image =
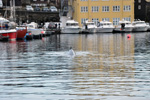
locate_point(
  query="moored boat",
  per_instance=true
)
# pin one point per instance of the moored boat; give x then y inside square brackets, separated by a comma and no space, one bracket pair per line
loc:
[124,26]
[71,27]
[105,27]
[52,27]
[7,29]
[21,32]
[139,26]
[89,27]
[33,32]
[148,27]
[33,29]
[11,33]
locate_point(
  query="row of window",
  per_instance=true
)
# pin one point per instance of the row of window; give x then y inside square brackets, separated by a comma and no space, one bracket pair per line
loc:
[105,8]
[36,0]
[95,0]
[96,20]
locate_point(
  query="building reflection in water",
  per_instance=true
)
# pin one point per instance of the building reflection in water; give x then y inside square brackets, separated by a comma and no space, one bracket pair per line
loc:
[108,66]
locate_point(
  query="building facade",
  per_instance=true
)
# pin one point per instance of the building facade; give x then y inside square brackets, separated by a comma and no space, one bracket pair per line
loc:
[140,9]
[148,12]
[98,10]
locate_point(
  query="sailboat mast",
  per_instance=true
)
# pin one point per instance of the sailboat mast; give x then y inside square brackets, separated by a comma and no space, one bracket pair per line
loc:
[14,11]
[11,11]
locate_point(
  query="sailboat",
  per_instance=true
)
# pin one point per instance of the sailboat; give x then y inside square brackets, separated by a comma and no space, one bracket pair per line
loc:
[6,31]
[8,28]
[21,29]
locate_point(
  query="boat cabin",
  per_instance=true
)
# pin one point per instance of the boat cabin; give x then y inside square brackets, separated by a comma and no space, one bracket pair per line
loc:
[72,23]
[104,23]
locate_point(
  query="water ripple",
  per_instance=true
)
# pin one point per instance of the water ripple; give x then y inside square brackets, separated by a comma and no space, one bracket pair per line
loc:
[106,67]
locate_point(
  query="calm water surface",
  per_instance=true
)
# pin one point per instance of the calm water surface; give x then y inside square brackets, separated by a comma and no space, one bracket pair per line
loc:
[106,67]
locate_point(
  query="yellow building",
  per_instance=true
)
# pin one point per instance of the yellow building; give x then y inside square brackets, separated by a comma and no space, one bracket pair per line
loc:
[98,10]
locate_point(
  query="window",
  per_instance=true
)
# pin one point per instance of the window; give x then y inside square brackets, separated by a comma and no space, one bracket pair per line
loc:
[71,24]
[127,8]
[139,1]
[84,9]
[95,9]
[116,8]
[127,18]
[116,21]
[139,7]
[95,20]
[105,8]
[105,19]
[83,20]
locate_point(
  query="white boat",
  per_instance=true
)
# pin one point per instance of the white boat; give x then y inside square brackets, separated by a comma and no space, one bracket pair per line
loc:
[33,29]
[72,26]
[124,26]
[89,27]
[148,26]
[139,26]
[50,27]
[105,26]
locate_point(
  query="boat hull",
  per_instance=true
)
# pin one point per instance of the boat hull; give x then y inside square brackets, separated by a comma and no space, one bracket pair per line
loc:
[12,34]
[35,31]
[70,30]
[104,30]
[21,32]
[139,29]
[91,30]
[126,29]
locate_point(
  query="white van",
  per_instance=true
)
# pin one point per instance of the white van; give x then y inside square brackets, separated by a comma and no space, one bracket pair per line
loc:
[29,8]
[1,4]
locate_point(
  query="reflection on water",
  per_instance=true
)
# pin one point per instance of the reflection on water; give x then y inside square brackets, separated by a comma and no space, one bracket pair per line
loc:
[106,67]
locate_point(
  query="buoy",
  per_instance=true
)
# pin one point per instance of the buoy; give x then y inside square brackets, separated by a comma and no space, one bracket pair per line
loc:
[129,36]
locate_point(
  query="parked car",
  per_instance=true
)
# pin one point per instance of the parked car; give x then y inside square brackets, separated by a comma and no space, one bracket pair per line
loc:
[53,8]
[37,9]
[29,8]
[45,9]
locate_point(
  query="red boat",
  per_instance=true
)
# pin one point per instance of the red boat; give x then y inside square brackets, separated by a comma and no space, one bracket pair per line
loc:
[11,33]
[21,32]
[6,31]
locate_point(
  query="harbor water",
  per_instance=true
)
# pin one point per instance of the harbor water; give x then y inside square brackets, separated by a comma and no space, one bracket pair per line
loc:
[106,67]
